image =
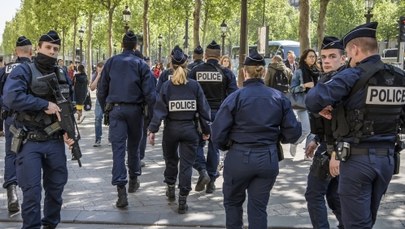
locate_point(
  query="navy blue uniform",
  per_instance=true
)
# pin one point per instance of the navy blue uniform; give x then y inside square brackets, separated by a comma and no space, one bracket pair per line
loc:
[250,122]
[165,76]
[10,176]
[48,155]
[371,160]
[177,105]
[216,86]
[194,64]
[126,83]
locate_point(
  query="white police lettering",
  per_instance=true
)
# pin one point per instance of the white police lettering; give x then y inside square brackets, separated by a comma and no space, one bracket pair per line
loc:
[209,77]
[10,67]
[182,105]
[378,95]
[169,77]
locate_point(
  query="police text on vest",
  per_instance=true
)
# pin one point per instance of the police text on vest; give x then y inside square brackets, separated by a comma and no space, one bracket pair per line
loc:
[209,77]
[182,105]
[385,95]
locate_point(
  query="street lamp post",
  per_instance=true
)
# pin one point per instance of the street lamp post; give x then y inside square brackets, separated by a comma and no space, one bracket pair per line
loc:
[368,5]
[224,28]
[81,33]
[160,38]
[115,49]
[126,17]
[140,42]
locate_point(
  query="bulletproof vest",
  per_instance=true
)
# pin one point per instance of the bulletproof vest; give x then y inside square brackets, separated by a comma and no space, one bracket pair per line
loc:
[7,69]
[182,102]
[384,99]
[213,82]
[41,88]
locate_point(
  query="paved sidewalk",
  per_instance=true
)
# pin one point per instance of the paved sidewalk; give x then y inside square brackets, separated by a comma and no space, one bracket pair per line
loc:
[89,197]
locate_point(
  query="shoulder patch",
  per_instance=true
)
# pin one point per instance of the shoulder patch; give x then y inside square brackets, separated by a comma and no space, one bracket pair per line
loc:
[10,67]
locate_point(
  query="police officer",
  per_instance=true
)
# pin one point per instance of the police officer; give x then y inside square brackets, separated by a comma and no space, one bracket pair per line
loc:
[198,55]
[125,85]
[367,122]
[179,101]
[250,123]
[23,52]
[35,107]
[321,182]
[217,83]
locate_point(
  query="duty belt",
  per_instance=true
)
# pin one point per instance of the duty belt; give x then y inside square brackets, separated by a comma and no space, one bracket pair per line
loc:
[366,151]
[42,137]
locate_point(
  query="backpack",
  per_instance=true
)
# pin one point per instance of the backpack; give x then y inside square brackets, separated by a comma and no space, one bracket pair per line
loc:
[280,81]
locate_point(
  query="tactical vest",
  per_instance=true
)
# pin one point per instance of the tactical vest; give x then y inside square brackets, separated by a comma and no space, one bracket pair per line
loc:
[213,82]
[384,99]
[35,119]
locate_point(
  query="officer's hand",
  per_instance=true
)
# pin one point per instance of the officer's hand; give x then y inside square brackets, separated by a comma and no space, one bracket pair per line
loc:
[52,108]
[151,138]
[68,141]
[205,137]
[334,166]
[326,112]
[309,151]
[309,85]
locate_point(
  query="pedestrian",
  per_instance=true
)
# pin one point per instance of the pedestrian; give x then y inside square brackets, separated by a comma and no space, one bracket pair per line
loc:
[250,123]
[40,154]
[304,78]
[23,51]
[178,103]
[226,62]
[125,85]
[80,83]
[98,111]
[164,76]
[217,83]
[290,61]
[278,76]
[366,130]
[198,55]
[323,179]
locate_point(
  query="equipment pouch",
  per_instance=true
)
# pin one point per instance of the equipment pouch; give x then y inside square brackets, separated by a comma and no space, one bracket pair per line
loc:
[397,162]
[320,167]
[107,109]
[18,138]
[280,152]
[343,151]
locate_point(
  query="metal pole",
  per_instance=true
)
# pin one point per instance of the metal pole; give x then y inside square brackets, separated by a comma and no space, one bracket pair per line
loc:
[126,27]
[81,51]
[160,53]
[368,16]
[223,43]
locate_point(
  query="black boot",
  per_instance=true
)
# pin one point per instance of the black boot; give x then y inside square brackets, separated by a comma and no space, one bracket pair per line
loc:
[12,198]
[171,192]
[122,201]
[48,227]
[183,207]
[210,187]
[203,180]
[133,185]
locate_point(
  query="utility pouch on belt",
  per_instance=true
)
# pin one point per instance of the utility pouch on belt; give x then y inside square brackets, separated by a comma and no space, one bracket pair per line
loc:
[280,152]
[397,162]
[18,138]
[107,109]
[320,166]
[197,122]
[343,151]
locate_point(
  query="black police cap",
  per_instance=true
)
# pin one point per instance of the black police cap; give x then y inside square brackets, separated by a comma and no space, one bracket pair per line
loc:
[254,59]
[365,30]
[129,37]
[51,37]
[213,45]
[330,42]
[138,54]
[177,56]
[198,50]
[22,41]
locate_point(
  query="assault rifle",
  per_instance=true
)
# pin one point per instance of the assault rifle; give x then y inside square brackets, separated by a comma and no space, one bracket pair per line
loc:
[67,122]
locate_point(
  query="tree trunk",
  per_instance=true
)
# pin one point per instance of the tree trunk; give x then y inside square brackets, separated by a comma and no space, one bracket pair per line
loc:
[196,27]
[205,23]
[145,50]
[304,25]
[243,41]
[89,51]
[320,30]
[74,40]
[110,36]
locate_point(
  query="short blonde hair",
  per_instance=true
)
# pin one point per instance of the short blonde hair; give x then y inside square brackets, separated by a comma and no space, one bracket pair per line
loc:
[255,71]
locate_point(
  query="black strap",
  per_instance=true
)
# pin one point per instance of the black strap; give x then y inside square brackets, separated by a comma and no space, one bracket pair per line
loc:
[369,70]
